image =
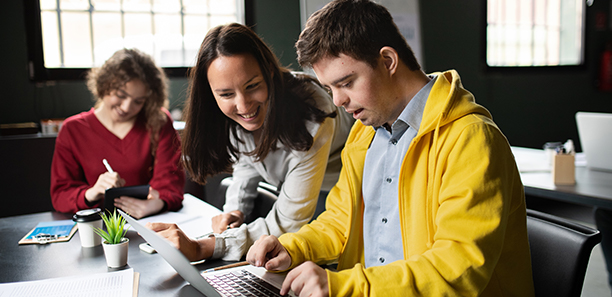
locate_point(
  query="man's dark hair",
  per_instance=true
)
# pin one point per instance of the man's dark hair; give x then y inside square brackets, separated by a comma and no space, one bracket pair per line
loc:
[356,28]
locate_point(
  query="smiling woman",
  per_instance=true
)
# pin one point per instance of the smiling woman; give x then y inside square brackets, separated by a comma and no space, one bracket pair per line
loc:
[118,111]
[240,90]
[247,115]
[130,127]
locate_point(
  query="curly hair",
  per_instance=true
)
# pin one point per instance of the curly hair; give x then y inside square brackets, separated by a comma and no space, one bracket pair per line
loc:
[123,66]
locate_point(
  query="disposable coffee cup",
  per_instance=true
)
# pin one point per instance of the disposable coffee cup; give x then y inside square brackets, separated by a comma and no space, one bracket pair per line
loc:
[550,148]
[87,220]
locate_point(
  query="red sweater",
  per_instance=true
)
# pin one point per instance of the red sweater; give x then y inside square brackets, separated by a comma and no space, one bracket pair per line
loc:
[83,142]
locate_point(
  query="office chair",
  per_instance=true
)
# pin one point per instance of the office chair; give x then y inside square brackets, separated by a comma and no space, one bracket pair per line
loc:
[560,252]
[266,196]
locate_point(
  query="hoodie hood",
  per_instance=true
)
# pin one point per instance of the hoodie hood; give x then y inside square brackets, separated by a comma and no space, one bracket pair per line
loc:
[457,103]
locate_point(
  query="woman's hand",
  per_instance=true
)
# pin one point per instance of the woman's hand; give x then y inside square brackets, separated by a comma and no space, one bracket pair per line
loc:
[105,181]
[140,208]
[224,221]
[194,250]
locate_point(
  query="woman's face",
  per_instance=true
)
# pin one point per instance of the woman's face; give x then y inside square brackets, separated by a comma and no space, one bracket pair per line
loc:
[125,103]
[239,89]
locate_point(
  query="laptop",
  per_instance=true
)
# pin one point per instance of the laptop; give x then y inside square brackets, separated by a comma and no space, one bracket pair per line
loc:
[246,280]
[595,132]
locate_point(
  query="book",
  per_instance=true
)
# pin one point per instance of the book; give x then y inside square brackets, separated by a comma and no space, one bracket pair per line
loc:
[48,232]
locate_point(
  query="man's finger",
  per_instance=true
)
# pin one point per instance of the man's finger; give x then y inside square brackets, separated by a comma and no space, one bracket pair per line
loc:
[289,282]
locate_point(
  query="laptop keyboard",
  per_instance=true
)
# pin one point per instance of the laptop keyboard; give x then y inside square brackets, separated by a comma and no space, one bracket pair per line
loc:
[242,283]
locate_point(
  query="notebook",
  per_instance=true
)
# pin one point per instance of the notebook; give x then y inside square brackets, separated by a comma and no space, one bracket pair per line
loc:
[253,278]
[595,132]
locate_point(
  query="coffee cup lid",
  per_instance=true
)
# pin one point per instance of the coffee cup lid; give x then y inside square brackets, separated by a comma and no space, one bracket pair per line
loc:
[87,215]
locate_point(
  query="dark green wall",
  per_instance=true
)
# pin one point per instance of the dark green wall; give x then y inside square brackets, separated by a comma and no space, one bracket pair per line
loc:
[277,22]
[531,108]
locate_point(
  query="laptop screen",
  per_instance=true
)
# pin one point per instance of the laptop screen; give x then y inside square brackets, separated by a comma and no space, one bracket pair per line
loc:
[595,132]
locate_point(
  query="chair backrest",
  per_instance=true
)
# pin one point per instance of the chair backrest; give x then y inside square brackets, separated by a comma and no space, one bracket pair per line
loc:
[560,252]
[266,197]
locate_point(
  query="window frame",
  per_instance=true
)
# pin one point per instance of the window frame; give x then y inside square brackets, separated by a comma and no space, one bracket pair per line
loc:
[546,69]
[37,72]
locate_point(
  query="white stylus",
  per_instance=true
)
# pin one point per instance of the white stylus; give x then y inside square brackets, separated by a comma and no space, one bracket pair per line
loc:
[107,166]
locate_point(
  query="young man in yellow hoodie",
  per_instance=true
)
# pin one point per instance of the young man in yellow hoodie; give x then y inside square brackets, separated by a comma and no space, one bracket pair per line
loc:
[429,200]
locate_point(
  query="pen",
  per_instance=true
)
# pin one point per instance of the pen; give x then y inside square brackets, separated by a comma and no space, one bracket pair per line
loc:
[227,266]
[107,166]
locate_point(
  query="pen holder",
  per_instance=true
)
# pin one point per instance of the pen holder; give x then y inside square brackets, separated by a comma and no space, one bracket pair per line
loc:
[563,169]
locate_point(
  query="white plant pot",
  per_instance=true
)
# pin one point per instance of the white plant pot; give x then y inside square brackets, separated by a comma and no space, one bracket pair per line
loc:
[116,254]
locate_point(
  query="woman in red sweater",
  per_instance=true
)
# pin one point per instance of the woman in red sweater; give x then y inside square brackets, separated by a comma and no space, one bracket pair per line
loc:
[130,127]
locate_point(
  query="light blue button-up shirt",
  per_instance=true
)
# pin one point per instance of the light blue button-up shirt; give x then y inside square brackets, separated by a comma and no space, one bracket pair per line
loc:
[381,224]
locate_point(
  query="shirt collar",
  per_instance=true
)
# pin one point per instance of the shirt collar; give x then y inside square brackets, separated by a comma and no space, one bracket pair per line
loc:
[412,114]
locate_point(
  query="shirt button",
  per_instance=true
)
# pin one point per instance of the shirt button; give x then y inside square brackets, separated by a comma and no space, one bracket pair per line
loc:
[393,141]
[381,259]
[389,180]
[384,220]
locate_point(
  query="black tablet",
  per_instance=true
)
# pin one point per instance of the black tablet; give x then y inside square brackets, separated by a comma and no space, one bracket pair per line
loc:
[140,192]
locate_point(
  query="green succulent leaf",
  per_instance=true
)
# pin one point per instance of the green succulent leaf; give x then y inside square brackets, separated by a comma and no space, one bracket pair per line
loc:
[115,228]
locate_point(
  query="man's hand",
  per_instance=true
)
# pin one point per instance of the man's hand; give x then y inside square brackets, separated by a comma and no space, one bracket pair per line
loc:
[268,252]
[308,279]
[140,208]
[222,222]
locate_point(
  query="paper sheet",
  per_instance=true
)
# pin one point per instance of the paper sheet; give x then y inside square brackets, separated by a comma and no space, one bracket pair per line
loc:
[119,284]
[535,160]
[194,219]
[192,225]
[531,160]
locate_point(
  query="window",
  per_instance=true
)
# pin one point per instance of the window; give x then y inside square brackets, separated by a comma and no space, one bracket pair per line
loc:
[67,37]
[525,33]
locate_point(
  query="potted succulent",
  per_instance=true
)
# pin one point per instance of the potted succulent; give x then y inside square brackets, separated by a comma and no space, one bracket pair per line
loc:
[115,243]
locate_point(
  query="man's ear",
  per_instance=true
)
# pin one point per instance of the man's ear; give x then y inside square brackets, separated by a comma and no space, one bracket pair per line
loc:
[390,58]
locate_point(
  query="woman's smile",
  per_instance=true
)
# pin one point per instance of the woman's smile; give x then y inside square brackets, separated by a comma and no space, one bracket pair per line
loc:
[240,90]
[250,115]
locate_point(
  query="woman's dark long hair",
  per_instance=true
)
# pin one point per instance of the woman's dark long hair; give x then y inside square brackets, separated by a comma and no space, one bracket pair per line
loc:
[207,148]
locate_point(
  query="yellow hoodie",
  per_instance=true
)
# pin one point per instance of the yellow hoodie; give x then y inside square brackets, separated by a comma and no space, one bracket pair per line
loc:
[462,210]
